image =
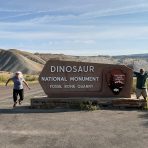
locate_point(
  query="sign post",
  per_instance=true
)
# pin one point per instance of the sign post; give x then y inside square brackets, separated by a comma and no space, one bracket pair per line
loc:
[80,79]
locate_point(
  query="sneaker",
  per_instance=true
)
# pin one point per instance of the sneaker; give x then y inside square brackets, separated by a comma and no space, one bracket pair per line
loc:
[14,105]
[20,102]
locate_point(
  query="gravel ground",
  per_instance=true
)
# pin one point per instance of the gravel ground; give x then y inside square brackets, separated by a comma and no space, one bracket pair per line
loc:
[73,129]
[30,128]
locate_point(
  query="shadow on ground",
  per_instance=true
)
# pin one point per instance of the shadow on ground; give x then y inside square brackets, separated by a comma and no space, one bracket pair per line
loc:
[145,117]
[27,110]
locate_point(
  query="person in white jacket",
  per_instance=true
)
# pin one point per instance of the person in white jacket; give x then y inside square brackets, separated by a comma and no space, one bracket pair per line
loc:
[18,89]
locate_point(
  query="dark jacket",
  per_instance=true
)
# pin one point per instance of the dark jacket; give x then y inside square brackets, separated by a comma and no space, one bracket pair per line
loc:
[141,80]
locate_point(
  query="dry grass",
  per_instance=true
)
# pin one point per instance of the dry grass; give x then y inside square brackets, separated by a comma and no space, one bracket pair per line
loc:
[4,76]
[31,78]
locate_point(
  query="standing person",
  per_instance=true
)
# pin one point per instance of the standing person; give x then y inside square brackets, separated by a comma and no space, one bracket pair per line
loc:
[18,81]
[141,86]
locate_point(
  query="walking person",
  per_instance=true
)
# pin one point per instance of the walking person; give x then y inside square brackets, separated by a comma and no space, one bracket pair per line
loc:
[18,89]
[141,86]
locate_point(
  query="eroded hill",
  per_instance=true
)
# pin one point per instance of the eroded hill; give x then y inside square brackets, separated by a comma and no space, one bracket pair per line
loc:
[11,60]
[32,63]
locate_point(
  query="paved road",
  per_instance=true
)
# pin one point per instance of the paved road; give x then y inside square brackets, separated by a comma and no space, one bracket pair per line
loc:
[6,92]
[73,129]
[30,128]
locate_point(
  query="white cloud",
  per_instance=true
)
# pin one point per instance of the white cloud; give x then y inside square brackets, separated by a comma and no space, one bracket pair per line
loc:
[15,16]
[86,11]
[117,11]
[85,36]
[73,24]
[57,18]
[80,41]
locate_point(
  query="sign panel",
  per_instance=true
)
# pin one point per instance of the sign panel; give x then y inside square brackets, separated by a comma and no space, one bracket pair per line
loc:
[80,79]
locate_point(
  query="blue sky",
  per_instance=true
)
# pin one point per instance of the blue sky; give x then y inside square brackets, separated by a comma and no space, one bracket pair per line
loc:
[77,27]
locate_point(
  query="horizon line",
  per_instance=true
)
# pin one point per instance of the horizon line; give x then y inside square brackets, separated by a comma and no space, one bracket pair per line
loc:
[34,52]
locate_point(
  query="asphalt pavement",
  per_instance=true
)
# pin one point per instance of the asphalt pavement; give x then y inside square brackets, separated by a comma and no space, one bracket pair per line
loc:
[60,128]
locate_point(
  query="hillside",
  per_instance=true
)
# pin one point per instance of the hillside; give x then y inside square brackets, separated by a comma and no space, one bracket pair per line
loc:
[32,63]
[140,56]
[13,60]
[136,61]
[92,59]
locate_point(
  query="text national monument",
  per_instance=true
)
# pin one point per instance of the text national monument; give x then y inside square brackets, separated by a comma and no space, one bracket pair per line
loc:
[81,79]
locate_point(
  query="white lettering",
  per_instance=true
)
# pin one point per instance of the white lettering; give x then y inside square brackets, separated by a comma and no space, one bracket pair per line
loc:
[51,79]
[61,69]
[84,78]
[68,69]
[80,69]
[52,68]
[55,86]
[85,86]
[72,69]
[69,86]
[91,69]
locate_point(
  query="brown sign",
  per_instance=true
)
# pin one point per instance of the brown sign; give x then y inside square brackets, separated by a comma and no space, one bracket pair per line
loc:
[116,79]
[80,79]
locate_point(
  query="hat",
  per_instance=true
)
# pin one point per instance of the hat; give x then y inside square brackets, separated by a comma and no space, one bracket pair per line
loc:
[18,72]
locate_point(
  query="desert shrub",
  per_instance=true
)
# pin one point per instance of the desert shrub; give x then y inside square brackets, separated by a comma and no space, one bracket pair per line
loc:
[146,108]
[89,105]
[4,77]
[31,78]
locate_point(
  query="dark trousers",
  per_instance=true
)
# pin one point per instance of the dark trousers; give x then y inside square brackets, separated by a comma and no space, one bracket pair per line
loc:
[16,93]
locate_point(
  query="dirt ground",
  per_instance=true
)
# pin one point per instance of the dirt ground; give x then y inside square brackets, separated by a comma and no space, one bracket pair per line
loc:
[30,128]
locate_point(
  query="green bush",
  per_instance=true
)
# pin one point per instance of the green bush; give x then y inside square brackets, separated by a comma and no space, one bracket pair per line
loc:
[89,105]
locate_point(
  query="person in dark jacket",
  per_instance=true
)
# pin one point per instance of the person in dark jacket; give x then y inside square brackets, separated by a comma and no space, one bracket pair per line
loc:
[18,89]
[141,86]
